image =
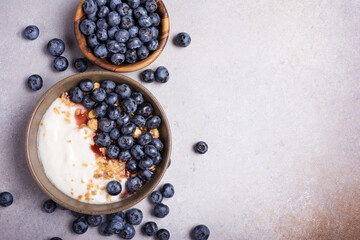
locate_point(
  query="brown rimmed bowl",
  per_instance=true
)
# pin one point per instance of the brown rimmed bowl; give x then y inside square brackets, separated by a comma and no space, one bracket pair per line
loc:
[37,169]
[164,29]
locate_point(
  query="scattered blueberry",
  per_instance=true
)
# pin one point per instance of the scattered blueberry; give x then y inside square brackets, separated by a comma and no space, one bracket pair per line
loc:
[76,95]
[113,151]
[49,206]
[102,139]
[128,232]
[87,27]
[60,63]
[113,187]
[133,184]
[56,47]
[161,210]
[168,190]
[153,122]
[93,220]
[163,234]
[200,232]
[104,229]
[35,82]
[148,76]
[134,216]
[156,197]
[201,147]
[183,39]
[31,32]
[115,226]
[150,228]
[120,216]
[162,74]
[6,199]
[80,65]
[80,226]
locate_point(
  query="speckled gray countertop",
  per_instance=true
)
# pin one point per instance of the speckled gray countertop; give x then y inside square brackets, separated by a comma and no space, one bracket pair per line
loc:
[272,86]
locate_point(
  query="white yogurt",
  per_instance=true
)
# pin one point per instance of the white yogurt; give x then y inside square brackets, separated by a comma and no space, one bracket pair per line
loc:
[65,152]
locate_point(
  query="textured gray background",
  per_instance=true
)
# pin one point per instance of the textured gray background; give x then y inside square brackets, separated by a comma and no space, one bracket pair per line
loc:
[272,86]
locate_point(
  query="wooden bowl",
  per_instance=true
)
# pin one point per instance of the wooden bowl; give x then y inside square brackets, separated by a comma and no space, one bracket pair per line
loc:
[164,29]
[37,169]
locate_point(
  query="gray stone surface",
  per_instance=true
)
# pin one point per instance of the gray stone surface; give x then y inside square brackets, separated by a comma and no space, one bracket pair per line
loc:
[272,86]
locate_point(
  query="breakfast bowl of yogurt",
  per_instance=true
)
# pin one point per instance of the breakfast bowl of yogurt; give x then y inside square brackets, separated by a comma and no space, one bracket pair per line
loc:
[98,142]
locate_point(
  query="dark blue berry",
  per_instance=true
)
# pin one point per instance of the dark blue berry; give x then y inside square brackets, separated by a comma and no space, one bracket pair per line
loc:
[123,119]
[49,206]
[201,147]
[31,32]
[98,95]
[101,34]
[108,85]
[6,199]
[145,110]
[137,152]
[168,190]
[113,112]
[138,120]
[101,51]
[104,229]
[56,47]
[76,95]
[113,18]
[139,12]
[80,65]
[128,129]
[129,105]
[122,35]
[100,109]
[133,31]
[150,228]
[145,34]
[92,41]
[145,163]
[93,220]
[143,52]
[153,122]
[115,226]
[133,43]
[113,151]
[162,74]
[119,216]
[162,234]
[134,3]
[102,139]
[92,17]
[145,138]
[106,125]
[161,210]
[131,56]
[125,142]
[113,187]
[115,134]
[80,226]
[183,39]
[157,144]
[151,6]
[102,23]
[138,97]
[144,175]
[112,31]
[103,12]
[100,3]
[113,46]
[128,232]
[35,82]
[151,151]
[55,238]
[77,215]
[154,32]
[123,9]
[127,22]
[60,63]
[131,166]
[157,159]
[123,90]
[111,98]
[200,232]
[86,85]
[156,197]
[125,156]
[117,58]
[133,184]
[144,22]
[153,45]
[89,6]
[148,76]
[113,4]
[87,27]
[155,19]
[134,216]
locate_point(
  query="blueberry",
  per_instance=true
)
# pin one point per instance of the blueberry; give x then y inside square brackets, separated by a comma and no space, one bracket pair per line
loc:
[6,199]
[157,159]
[131,166]
[154,32]
[102,139]
[55,238]
[56,47]
[200,232]
[145,138]
[168,190]
[138,120]
[93,220]
[128,129]
[145,109]
[101,34]
[144,21]
[112,31]
[148,76]
[92,17]
[102,24]
[157,144]
[151,6]
[98,95]
[49,206]
[123,119]
[201,147]
[125,156]
[86,85]
[87,27]
[113,187]
[137,152]
[113,18]
[101,51]
[89,6]
[183,39]
[103,12]
[108,85]
[144,175]
[60,63]
[155,19]
[104,229]
[113,4]
[115,226]
[92,41]
[133,31]
[119,216]
[77,215]
[161,210]
[139,12]
[117,58]
[129,105]
[133,43]
[115,134]
[76,95]
[128,232]
[127,22]
[100,109]
[35,82]
[163,234]
[153,122]
[131,56]
[133,184]
[134,3]
[106,125]
[134,216]
[111,98]
[143,52]
[31,32]
[150,228]
[80,65]
[138,97]
[123,90]
[153,45]
[100,3]
[151,151]
[113,46]
[145,34]
[145,163]
[156,197]
[122,35]
[123,9]
[125,142]
[162,74]
[113,151]
[80,225]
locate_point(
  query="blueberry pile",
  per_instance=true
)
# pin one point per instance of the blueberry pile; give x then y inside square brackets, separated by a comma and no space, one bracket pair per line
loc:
[120,112]
[120,31]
